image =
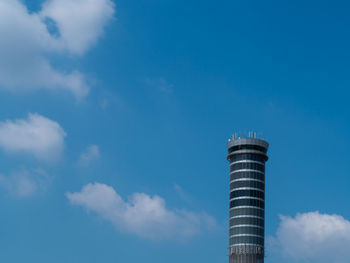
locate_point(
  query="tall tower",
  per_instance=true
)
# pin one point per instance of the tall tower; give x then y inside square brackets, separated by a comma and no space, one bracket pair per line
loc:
[247,157]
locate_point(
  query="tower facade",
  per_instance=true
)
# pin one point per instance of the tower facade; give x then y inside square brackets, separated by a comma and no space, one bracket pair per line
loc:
[247,157]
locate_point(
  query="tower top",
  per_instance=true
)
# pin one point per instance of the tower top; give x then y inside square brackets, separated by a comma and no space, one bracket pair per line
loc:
[250,138]
[249,134]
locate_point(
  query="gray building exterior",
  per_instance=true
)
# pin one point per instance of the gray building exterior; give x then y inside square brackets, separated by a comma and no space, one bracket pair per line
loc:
[247,157]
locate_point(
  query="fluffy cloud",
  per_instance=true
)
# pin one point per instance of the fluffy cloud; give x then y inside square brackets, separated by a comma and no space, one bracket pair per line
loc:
[91,153]
[35,135]
[29,40]
[80,22]
[314,237]
[25,183]
[142,215]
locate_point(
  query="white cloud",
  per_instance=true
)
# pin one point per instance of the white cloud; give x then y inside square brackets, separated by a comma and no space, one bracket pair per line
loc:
[36,135]
[80,22]
[25,183]
[314,237]
[142,215]
[26,44]
[91,153]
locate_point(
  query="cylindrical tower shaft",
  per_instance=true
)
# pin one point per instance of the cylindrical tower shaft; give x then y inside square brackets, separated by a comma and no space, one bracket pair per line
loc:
[247,157]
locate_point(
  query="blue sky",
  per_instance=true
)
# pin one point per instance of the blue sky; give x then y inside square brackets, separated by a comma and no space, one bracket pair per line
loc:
[115,115]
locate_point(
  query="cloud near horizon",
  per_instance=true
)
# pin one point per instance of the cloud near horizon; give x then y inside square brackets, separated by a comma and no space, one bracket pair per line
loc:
[36,135]
[30,39]
[142,215]
[313,237]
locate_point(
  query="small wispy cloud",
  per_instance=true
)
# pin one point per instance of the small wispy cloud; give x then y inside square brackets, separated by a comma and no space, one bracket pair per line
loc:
[36,135]
[108,99]
[90,154]
[182,194]
[313,237]
[142,215]
[160,84]
[25,183]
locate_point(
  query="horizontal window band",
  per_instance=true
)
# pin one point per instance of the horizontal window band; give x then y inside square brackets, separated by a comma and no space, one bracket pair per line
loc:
[247,185]
[247,221]
[246,161]
[247,197]
[245,244]
[247,157]
[246,179]
[247,170]
[247,231]
[246,206]
[247,188]
[247,165]
[235,193]
[247,240]
[246,225]
[248,243]
[252,154]
[247,175]
[247,202]
[247,216]
[247,212]
[247,235]
[247,146]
